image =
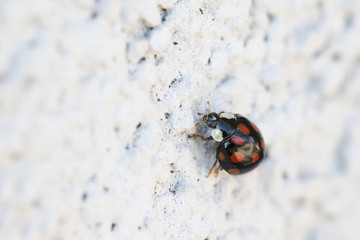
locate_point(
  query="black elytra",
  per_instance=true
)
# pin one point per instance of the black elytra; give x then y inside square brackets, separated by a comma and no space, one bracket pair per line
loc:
[242,146]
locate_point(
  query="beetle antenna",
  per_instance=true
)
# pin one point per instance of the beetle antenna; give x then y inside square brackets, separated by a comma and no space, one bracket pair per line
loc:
[209,108]
[200,123]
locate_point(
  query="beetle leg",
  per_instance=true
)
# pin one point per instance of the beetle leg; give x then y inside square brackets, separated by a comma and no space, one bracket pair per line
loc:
[217,170]
[201,136]
[200,123]
[212,168]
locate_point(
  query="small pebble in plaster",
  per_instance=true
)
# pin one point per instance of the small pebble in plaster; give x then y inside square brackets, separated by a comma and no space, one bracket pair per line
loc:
[241,147]
[139,125]
[201,11]
[175,43]
[167,115]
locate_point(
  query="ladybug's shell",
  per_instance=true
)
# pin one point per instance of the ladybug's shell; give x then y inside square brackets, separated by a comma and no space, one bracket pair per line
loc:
[243,150]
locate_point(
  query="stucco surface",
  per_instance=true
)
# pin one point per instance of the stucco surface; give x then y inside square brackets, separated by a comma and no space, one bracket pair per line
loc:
[97,99]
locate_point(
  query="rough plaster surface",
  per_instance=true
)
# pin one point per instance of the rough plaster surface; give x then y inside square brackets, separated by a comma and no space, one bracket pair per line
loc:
[97,99]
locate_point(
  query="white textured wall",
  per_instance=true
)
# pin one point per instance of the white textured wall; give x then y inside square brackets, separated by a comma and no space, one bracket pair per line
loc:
[97,99]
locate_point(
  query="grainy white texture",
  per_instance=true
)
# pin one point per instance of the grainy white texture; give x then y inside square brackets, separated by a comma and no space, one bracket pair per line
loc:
[97,99]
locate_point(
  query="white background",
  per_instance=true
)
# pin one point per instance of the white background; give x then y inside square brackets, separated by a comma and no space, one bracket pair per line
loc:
[97,99]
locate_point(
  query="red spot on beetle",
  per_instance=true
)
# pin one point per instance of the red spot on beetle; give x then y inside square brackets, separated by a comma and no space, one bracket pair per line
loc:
[255,157]
[254,126]
[237,157]
[243,128]
[221,156]
[234,171]
[262,144]
[237,140]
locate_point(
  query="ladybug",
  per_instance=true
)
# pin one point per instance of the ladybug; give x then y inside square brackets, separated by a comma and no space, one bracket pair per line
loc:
[241,146]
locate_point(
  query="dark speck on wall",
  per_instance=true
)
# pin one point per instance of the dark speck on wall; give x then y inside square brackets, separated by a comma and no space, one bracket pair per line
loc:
[142,59]
[164,14]
[113,226]
[94,15]
[84,197]
[173,189]
[285,176]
